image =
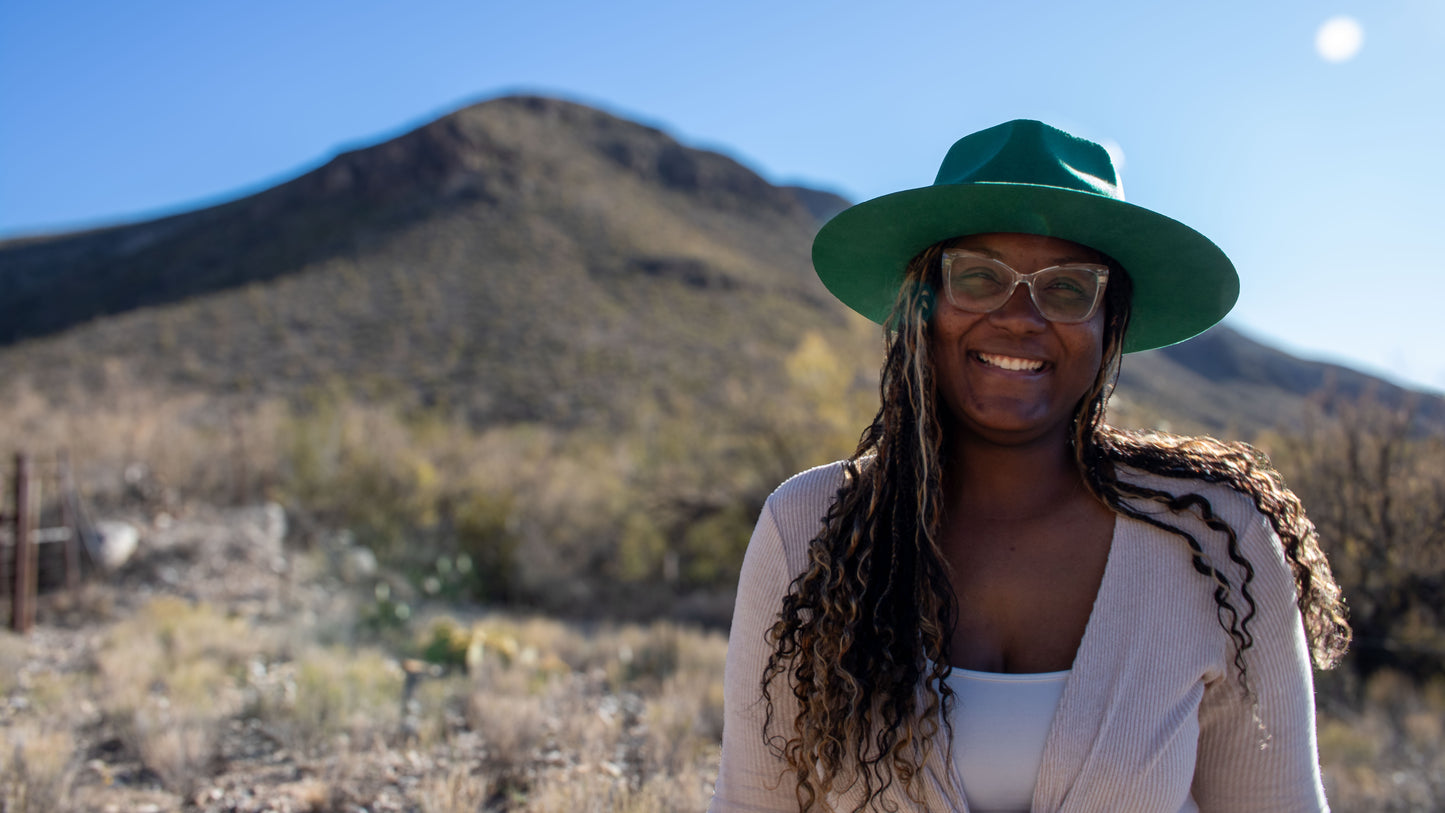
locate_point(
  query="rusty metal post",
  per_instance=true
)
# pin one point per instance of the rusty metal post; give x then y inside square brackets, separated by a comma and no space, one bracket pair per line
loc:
[22,614]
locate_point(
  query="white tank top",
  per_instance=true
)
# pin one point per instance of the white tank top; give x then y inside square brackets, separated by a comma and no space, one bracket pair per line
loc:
[1000,722]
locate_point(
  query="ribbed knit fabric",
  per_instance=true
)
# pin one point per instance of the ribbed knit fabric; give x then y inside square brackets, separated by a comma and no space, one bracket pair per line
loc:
[1152,718]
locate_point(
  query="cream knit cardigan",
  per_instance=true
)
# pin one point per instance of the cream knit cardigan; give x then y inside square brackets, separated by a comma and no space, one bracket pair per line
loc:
[1152,718]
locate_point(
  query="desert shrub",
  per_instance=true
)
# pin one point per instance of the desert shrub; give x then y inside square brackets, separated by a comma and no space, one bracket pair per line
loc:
[179,746]
[191,655]
[210,448]
[642,549]
[684,715]
[1375,488]
[170,632]
[458,790]
[644,658]
[1383,750]
[514,727]
[486,541]
[580,518]
[52,695]
[445,642]
[169,678]
[437,709]
[359,467]
[37,766]
[590,792]
[604,792]
[713,546]
[338,694]
[14,651]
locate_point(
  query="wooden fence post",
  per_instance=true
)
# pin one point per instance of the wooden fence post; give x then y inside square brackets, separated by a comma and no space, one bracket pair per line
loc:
[22,614]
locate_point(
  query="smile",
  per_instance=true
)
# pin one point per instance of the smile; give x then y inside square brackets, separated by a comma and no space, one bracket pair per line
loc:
[1010,363]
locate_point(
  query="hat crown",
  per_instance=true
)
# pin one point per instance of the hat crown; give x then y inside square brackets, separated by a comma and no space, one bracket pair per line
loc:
[1031,152]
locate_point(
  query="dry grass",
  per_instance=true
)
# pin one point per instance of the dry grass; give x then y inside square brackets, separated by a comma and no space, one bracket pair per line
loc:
[166,681]
[635,716]
[37,767]
[179,748]
[1387,752]
[14,651]
[458,790]
[175,655]
[338,698]
[190,696]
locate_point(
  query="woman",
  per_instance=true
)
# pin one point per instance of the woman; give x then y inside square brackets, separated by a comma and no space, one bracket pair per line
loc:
[1000,602]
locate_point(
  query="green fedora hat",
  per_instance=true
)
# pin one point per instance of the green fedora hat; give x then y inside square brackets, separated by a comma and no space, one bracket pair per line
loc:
[1025,176]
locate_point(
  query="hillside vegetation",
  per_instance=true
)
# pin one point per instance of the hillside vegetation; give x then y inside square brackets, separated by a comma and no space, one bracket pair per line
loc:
[521,260]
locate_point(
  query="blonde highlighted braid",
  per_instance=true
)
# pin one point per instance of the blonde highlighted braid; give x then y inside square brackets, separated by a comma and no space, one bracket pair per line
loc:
[860,626]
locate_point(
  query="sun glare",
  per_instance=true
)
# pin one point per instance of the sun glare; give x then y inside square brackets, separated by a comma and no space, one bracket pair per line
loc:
[1339,39]
[1116,153]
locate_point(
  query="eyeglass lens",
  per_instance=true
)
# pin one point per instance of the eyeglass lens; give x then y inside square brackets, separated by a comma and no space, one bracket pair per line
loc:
[1062,294]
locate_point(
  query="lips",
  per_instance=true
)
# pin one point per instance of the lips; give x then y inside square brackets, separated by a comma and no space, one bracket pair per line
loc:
[1010,363]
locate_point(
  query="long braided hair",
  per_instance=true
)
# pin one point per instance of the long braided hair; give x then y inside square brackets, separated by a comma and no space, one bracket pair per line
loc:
[868,622]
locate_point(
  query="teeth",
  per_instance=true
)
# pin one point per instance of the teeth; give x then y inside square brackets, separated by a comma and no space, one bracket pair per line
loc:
[1011,363]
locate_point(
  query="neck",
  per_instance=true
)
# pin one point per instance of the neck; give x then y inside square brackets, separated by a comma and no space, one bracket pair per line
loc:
[1005,482]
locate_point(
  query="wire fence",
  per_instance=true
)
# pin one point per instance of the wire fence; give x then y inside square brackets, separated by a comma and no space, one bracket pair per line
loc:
[46,539]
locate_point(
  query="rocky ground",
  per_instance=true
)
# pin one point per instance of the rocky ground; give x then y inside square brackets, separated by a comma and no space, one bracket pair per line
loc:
[247,760]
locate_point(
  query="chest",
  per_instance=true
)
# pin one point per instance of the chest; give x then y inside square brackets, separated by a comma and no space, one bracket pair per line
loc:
[1025,589]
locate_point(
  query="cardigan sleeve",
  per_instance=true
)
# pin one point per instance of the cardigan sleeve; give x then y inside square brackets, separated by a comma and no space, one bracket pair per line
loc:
[1260,753]
[750,777]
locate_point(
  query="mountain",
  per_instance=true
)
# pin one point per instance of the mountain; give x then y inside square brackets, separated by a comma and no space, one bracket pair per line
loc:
[1224,382]
[521,259]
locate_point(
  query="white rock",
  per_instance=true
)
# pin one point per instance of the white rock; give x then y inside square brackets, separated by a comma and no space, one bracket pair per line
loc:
[357,564]
[116,543]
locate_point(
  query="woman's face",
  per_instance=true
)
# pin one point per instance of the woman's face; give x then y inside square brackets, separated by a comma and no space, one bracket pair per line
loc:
[1011,377]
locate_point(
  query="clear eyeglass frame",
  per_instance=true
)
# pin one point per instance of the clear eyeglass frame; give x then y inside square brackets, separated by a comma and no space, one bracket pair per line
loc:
[1045,308]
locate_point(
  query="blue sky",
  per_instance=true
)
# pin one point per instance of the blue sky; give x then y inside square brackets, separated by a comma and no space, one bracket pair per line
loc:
[1321,179]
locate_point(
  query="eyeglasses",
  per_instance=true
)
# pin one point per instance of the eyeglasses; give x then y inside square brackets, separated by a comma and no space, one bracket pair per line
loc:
[1062,293]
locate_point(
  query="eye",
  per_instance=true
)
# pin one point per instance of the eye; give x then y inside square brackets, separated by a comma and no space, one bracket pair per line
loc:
[1069,284]
[976,277]
[1066,287]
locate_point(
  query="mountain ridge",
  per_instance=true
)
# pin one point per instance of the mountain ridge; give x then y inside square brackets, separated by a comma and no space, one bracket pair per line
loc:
[496,260]
[516,259]
[467,158]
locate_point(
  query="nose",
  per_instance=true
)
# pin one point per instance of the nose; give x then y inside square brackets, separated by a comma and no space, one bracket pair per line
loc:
[1019,314]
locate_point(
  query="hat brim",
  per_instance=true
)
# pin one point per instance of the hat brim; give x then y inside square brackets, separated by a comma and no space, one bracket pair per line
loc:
[1183,282]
